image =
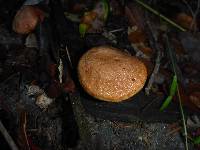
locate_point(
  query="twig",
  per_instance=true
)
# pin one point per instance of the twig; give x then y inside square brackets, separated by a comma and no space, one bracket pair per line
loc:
[60,69]
[117,30]
[158,58]
[155,71]
[174,128]
[8,138]
[22,130]
[194,13]
[190,9]
[160,15]
[69,57]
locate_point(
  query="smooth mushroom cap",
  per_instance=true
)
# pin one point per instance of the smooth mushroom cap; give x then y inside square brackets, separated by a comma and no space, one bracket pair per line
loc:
[109,74]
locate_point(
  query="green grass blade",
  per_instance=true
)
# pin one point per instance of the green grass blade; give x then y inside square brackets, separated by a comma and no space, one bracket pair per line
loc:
[166,103]
[173,87]
[183,119]
[178,93]
[172,92]
[160,15]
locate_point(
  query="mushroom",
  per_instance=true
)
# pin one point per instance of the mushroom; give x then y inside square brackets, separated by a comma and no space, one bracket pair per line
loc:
[26,19]
[110,74]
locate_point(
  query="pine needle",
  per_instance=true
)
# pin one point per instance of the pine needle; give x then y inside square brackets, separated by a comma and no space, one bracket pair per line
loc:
[160,15]
[172,91]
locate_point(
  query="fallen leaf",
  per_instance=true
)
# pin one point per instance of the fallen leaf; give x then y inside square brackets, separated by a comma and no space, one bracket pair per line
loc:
[69,86]
[186,99]
[185,21]
[178,47]
[137,36]
[89,17]
[54,90]
[32,145]
[26,19]
[135,16]
[146,50]
[195,98]
[52,69]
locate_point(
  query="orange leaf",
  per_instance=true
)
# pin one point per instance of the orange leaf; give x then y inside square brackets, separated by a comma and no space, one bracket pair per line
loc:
[146,50]
[185,21]
[137,37]
[89,17]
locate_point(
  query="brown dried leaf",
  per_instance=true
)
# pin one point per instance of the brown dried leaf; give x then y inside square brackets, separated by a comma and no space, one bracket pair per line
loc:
[195,98]
[185,21]
[178,47]
[54,90]
[69,86]
[26,19]
[135,16]
[89,17]
[146,50]
[137,36]
[190,97]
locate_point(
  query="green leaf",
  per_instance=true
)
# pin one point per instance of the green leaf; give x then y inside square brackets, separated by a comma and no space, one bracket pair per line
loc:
[173,87]
[166,103]
[106,9]
[83,29]
[196,140]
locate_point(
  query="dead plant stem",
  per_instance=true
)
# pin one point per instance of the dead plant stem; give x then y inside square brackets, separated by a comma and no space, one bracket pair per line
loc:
[7,137]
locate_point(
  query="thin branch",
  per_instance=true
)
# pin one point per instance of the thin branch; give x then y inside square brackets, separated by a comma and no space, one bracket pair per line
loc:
[7,137]
[69,57]
[23,135]
[155,71]
[195,16]
[189,7]
[158,59]
[193,13]
[117,30]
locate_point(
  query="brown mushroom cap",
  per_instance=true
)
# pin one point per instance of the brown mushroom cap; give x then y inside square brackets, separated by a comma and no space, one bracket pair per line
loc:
[109,74]
[26,19]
